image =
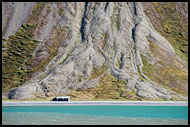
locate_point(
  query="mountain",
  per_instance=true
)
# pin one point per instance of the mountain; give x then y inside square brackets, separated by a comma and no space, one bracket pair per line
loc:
[95,50]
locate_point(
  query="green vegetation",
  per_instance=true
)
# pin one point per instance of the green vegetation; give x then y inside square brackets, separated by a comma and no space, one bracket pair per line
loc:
[34,99]
[143,79]
[128,57]
[61,11]
[5,44]
[19,49]
[166,71]
[109,88]
[43,75]
[97,72]
[115,18]
[147,68]
[36,11]
[94,9]
[48,10]
[70,51]
[105,36]
[135,48]
[17,57]
[174,27]
[80,78]
[52,50]
[119,63]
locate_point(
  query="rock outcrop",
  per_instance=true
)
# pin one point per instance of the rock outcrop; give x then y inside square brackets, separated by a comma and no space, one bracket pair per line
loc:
[83,37]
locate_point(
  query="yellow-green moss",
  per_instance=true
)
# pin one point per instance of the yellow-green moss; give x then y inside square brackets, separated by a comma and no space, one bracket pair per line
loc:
[97,72]
[105,36]
[19,48]
[119,63]
[42,76]
[173,30]
[68,54]
[52,50]
[17,58]
[109,88]
[147,68]
[115,18]
[167,71]
[36,11]
[61,11]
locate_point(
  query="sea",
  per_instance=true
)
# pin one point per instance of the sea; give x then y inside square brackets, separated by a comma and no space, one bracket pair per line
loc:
[95,115]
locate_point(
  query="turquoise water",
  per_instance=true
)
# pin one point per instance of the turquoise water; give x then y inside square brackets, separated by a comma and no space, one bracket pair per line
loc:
[99,115]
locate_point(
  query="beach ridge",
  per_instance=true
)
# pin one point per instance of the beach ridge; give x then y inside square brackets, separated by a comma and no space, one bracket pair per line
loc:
[61,103]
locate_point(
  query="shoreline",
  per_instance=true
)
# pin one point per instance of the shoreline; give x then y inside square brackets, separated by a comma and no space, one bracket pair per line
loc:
[73,103]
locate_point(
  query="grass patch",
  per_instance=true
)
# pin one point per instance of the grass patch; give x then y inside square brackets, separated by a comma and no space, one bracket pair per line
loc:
[36,11]
[109,88]
[52,49]
[43,76]
[147,68]
[166,71]
[105,36]
[115,18]
[68,54]
[97,72]
[174,27]
[19,49]
[61,11]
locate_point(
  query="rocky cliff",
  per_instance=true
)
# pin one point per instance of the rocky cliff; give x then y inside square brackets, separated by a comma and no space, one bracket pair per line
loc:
[95,50]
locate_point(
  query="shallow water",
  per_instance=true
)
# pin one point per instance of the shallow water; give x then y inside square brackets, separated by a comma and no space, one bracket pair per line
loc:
[95,115]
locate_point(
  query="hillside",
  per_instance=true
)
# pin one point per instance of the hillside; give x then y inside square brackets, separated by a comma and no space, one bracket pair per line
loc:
[95,50]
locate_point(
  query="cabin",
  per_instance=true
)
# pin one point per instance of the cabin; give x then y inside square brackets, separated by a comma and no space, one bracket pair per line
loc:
[62,98]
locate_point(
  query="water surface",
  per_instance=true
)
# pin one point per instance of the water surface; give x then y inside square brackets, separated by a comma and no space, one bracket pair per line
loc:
[99,115]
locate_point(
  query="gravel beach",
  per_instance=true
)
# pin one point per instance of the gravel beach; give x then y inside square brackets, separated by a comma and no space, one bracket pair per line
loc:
[59,103]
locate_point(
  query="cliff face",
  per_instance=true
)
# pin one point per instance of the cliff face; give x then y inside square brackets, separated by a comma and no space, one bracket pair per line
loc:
[93,51]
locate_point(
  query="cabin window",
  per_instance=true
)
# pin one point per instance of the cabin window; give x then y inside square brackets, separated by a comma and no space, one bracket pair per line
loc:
[60,99]
[63,99]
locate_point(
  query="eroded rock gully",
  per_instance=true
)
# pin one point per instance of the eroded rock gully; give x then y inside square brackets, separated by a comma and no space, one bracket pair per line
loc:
[95,35]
